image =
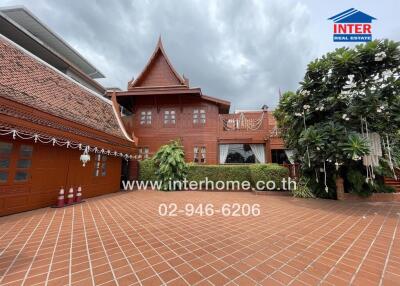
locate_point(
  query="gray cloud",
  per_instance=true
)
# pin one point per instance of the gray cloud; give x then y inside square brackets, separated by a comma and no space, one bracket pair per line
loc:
[242,51]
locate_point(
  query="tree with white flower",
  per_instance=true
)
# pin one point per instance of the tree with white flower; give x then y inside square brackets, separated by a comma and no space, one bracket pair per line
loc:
[346,96]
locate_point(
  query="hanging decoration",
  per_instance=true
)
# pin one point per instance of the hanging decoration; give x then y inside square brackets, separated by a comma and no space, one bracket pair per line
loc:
[243,123]
[391,165]
[57,141]
[85,157]
[306,108]
[326,186]
[367,161]
[372,159]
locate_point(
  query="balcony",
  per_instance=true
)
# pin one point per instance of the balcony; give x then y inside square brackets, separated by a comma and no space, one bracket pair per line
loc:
[254,121]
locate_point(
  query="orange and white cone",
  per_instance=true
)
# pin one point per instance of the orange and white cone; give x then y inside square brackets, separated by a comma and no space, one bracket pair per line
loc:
[70,197]
[61,199]
[78,196]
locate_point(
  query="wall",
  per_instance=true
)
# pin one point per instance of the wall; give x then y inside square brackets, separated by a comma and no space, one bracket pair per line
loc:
[210,135]
[52,168]
[156,134]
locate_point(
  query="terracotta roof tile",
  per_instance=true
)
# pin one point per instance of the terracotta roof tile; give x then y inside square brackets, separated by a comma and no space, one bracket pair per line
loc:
[28,81]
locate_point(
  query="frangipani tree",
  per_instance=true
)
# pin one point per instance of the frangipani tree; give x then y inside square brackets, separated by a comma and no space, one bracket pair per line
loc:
[345,96]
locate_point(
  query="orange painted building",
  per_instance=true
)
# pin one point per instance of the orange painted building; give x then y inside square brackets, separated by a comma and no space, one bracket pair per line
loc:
[159,106]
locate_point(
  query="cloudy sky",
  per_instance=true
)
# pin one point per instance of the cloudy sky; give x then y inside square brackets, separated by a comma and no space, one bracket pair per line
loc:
[242,51]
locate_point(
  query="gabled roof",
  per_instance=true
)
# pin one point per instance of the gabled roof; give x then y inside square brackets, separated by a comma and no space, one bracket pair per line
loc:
[27,80]
[160,78]
[158,71]
[352,16]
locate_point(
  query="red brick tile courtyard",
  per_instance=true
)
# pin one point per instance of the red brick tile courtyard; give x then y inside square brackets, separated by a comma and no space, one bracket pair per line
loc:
[121,239]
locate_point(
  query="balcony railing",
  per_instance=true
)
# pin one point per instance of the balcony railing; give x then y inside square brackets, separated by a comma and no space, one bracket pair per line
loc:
[242,122]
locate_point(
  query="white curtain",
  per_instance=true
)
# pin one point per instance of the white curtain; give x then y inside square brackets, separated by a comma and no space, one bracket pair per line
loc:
[223,152]
[290,156]
[258,150]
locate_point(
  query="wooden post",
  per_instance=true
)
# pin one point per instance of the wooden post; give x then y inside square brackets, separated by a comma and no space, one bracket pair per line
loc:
[339,189]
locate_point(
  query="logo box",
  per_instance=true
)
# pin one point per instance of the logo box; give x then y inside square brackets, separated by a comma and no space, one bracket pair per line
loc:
[352,26]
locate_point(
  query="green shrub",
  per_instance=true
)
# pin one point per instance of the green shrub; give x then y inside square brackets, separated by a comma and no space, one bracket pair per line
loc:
[268,172]
[171,165]
[240,173]
[216,173]
[302,190]
[235,173]
[147,170]
[356,183]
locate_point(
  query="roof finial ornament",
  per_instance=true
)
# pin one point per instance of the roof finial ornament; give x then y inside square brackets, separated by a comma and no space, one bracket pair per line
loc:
[186,80]
[131,81]
[159,43]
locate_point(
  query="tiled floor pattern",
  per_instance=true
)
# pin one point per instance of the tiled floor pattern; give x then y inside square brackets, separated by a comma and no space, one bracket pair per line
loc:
[120,239]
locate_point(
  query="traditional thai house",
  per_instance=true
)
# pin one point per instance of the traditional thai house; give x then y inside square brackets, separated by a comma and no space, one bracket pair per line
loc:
[53,114]
[48,120]
[160,105]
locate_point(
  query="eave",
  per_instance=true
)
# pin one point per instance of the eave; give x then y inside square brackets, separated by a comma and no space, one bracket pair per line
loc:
[28,118]
[156,91]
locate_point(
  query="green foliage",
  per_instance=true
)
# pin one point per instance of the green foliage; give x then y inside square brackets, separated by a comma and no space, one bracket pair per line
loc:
[355,147]
[147,170]
[170,160]
[321,121]
[357,183]
[318,186]
[396,149]
[268,172]
[303,190]
[379,187]
[240,173]
[216,173]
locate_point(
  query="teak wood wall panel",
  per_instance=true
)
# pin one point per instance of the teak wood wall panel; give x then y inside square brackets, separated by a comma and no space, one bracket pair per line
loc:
[210,135]
[52,168]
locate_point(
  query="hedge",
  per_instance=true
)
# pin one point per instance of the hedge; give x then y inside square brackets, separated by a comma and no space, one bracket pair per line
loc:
[268,172]
[251,172]
[216,173]
[147,170]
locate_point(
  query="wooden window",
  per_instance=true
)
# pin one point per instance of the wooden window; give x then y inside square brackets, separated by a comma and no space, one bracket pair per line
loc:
[145,117]
[5,161]
[20,159]
[100,165]
[199,116]
[144,152]
[169,117]
[199,154]
[23,163]
[104,165]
